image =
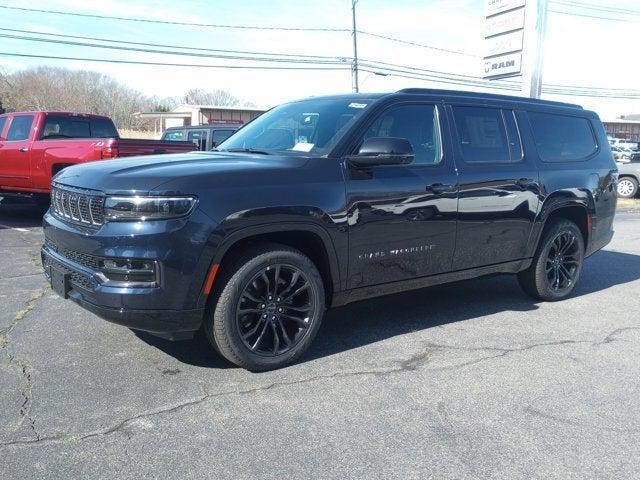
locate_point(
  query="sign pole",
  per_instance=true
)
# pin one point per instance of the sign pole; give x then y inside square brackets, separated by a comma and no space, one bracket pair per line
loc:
[536,27]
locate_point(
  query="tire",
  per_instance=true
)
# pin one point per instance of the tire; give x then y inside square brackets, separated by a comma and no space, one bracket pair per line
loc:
[557,264]
[241,312]
[627,187]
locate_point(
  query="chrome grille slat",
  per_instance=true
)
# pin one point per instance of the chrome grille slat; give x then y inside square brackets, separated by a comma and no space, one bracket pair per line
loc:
[77,207]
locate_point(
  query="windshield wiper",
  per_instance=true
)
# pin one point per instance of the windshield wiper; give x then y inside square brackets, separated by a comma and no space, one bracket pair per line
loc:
[246,150]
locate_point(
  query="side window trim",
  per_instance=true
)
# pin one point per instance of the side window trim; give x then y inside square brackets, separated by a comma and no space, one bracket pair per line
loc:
[511,115]
[437,115]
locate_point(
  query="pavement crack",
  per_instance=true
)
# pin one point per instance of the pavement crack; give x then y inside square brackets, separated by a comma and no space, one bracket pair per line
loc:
[23,368]
[613,336]
[21,315]
[413,363]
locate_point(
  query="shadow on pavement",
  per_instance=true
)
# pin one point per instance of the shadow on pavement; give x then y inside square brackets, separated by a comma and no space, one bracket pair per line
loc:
[20,213]
[375,320]
[195,352]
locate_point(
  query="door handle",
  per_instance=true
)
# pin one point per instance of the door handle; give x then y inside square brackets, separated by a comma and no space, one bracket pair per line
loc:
[24,149]
[439,188]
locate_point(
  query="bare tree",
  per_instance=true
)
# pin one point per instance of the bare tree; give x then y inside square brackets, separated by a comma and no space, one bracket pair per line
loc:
[50,88]
[216,97]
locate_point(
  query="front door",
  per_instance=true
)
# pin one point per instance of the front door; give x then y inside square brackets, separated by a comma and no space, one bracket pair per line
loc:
[499,187]
[402,218]
[15,155]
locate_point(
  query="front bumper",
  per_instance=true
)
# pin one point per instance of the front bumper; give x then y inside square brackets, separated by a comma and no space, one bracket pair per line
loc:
[173,309]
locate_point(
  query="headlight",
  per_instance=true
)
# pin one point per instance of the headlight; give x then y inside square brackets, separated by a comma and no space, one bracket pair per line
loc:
[147,208]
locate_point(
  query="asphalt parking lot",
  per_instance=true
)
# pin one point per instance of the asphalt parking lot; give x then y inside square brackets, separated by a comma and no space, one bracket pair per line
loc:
[471,380]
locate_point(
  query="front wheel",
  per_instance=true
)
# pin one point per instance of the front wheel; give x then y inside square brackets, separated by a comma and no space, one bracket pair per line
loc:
[268,308]
[557,264]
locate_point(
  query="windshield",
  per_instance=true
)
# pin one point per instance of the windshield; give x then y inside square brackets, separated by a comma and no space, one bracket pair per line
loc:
[311,126]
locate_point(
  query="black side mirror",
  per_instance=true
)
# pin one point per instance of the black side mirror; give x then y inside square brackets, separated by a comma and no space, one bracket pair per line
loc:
[383,151]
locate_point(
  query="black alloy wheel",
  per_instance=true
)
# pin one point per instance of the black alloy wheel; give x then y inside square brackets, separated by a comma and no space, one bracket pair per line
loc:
[555,269]
[274,310]
[266,308]
[563,262]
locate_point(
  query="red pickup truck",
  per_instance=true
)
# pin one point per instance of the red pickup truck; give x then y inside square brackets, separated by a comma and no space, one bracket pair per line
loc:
[34,146]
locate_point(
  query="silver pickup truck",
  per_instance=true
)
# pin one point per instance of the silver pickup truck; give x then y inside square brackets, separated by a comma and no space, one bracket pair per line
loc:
[629,178]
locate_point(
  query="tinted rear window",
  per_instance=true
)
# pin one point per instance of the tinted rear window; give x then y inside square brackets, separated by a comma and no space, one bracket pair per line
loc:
[562,138]
[483,137]
[3,122]
[77,127]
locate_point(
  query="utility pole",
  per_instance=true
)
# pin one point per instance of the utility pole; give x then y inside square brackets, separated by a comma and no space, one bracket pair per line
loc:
[354,65]
[535,31]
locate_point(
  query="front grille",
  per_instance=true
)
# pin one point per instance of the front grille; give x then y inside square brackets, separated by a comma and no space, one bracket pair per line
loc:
[78,206]
[77,279]
[84,259]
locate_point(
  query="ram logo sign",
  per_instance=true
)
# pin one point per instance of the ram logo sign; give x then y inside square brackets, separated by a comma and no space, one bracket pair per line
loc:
[503,65]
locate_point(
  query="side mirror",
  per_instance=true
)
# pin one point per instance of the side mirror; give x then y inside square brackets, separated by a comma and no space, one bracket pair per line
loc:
[383,151]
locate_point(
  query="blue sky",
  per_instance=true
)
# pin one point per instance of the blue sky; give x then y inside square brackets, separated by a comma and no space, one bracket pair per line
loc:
[580,51]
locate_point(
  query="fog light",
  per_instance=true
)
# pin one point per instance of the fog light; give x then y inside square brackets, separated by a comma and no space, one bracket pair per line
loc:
[129,271]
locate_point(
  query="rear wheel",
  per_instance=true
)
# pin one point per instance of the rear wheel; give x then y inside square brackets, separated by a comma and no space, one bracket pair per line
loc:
[267,309]
[557,264]
[627,187]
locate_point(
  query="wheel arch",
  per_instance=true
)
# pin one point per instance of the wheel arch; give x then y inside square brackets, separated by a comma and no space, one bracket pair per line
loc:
[579,210]
[311,239]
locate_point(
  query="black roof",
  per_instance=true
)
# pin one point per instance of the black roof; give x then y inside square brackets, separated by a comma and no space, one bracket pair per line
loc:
[484,96]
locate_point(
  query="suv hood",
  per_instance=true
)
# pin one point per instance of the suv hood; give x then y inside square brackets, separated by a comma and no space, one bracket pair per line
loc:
[147,174]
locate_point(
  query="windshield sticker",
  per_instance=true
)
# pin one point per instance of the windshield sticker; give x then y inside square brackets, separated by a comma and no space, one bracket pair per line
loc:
[357,105]
[303,147]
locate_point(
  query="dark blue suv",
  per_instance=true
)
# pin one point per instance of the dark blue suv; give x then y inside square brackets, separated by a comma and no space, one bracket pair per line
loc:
[327,201]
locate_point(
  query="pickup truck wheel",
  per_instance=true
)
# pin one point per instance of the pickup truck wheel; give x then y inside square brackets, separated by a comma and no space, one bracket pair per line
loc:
[557,264]
[627,187]
[268,309]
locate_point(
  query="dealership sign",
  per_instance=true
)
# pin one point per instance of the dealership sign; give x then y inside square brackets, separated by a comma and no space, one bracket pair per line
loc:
[504,65]
[504,38]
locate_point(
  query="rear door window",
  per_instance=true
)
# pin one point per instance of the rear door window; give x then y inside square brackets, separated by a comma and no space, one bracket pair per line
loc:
[20,128]
[562,138]
[487,135]
[199,137]
[103,128]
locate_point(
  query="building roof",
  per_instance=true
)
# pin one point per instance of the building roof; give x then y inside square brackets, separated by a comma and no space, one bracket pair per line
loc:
[217,107]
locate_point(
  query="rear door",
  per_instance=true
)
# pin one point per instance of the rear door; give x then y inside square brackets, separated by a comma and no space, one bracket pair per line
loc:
[498,187]
[15,154]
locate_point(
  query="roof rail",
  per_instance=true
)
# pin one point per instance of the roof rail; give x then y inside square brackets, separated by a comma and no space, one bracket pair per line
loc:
[468,94]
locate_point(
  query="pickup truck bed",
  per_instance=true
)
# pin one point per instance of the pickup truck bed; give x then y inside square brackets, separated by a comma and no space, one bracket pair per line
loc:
[34,146]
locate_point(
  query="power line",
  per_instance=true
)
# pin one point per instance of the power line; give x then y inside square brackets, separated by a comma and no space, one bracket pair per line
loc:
[576,14]
[288,59]
[597,7]
[167,64]
[164,45]
[415,44]
[173,22]
[166,52]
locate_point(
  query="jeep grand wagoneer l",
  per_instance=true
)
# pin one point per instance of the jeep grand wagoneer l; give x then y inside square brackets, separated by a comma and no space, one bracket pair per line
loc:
[331,200]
